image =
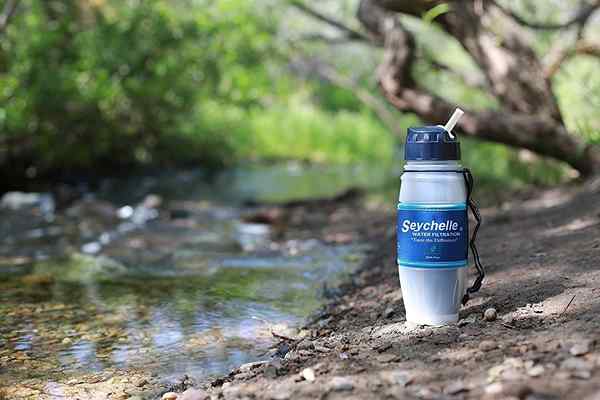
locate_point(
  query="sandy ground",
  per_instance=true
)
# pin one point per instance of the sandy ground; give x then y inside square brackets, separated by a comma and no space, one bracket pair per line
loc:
[543,262]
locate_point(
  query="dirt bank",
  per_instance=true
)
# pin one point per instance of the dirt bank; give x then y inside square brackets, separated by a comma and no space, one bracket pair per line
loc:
[543,261]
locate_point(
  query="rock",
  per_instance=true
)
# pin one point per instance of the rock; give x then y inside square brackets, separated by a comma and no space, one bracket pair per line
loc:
[582,374]
[272,369]
[251,365]
[536,371]
[397,377]
[21,200]
[386,358]
[488,345]
[91,248]
[466,321]
[283,395]
[306,345]
[67,341]
[341,383]
[322,349]
[193,394]
[389,312]
[152,201]
[456,388]
[576,364]
[581,348]
[141,382]
[508,390]
[308,374]
[490,314]
[169,396]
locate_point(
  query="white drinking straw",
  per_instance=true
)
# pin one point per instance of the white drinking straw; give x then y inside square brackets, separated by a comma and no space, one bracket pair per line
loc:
[452,121]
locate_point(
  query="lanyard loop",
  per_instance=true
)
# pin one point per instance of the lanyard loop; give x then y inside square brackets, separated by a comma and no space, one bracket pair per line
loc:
[469,182]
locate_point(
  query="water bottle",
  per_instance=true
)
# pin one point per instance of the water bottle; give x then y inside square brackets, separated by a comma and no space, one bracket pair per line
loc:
[433,226]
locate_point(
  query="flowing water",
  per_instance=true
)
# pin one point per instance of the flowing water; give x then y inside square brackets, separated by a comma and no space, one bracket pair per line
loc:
[162,273]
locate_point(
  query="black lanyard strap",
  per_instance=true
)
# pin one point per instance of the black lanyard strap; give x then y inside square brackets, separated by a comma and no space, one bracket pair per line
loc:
[469,182]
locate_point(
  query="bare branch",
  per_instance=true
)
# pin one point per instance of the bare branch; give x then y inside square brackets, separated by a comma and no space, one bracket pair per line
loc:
[580,18]
[534,132]
[334,40]
[7,12]
[350,32]
[471,80]
[581,48]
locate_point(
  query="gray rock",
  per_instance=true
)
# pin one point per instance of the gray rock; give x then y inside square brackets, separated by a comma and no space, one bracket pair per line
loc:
[456,388]
[397,377]
[536,371]
[581,348]
[272,369]
[575,364]
[306,345]
[341,383]
[283,395]
[490,314]
[21,200]
[389,312]
[193,394]
[488,345]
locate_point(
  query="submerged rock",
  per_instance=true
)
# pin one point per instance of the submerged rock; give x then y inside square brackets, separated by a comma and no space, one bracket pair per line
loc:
[21,200]
[81,268]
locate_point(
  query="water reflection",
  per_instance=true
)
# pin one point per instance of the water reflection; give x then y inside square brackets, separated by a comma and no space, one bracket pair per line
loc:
[194,293]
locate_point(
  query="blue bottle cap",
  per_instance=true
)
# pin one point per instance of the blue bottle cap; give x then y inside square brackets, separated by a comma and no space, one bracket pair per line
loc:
[431,143]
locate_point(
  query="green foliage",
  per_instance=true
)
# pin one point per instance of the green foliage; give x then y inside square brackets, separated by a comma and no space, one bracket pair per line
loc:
[123,80]
[99,83]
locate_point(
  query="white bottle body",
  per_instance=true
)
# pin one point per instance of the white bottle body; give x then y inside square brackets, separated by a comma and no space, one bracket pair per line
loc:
[432,296]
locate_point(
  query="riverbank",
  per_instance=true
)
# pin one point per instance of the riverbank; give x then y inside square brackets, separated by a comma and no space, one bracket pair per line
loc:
[543,261]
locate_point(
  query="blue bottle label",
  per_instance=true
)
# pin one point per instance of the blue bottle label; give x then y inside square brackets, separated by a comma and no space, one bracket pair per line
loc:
[432,235]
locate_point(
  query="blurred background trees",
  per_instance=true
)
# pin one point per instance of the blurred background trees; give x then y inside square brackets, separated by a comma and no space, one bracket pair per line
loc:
[100,85]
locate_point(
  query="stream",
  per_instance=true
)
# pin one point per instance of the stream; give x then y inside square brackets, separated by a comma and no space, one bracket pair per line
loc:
[163,272]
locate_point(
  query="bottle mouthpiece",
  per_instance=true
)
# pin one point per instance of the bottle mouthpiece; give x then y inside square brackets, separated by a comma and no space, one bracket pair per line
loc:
[452,121]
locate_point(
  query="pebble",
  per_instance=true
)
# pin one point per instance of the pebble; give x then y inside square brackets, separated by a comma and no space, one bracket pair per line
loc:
[308,374]
[389,312]
[488,345]
[580,349]
[490,314]
[306,345]
[281,396]
[456,388]
[322,349]
[386,358]
[272,369]
[142,382]
[169,396]
[574,363]
[193,394]
[397,377]
[66,341]
[341,383]
[536,371]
